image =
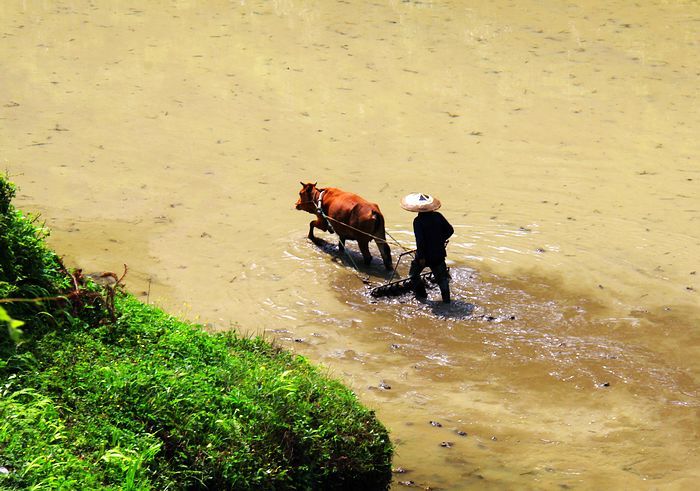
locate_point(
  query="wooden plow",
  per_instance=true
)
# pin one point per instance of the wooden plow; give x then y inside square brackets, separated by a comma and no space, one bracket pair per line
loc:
[395,287]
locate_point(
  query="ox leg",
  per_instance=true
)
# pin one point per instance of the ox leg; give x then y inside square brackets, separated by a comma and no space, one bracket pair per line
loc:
[315,224]
[364,249]
[385,251]
[341,244]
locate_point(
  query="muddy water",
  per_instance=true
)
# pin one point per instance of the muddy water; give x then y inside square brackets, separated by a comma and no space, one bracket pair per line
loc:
[561,138]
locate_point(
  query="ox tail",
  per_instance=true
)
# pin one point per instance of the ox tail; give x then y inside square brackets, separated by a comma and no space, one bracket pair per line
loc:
[380,239]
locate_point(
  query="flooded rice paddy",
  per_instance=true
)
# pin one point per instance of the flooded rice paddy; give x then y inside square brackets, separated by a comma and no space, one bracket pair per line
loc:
[561,138]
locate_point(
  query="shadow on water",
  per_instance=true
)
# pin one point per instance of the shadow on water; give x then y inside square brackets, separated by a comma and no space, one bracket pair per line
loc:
[461,308]
[352,258]
[457,309]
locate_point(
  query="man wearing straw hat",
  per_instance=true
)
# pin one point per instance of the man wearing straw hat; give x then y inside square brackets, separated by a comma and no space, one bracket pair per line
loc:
[432,231]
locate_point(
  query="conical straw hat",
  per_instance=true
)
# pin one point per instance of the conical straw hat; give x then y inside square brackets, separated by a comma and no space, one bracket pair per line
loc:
[420,202]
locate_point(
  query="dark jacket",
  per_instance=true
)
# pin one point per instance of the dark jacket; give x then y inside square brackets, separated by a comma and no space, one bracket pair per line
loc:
[431,230]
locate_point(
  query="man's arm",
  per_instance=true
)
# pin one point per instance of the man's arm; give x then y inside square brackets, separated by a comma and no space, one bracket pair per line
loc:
[447,229]
[420,240]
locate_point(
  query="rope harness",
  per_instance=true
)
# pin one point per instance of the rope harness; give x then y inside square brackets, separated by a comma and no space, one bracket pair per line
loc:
[319,209]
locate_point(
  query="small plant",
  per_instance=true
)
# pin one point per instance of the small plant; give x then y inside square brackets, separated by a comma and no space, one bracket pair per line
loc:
[13,325]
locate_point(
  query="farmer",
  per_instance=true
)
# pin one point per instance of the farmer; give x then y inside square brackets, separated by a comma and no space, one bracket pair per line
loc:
[432,231]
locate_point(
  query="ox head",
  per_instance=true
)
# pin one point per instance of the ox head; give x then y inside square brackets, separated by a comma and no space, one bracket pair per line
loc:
[307,197]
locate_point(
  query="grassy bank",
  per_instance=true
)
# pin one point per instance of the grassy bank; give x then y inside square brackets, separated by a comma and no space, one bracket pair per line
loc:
[119,395]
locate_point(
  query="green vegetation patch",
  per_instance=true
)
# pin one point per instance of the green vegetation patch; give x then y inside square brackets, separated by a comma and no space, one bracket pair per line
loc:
[151,402]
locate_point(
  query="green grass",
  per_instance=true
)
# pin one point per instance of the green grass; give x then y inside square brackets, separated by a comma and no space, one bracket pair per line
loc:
[151,402]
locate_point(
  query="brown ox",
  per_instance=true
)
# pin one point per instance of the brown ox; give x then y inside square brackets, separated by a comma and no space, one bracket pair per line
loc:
[347,214]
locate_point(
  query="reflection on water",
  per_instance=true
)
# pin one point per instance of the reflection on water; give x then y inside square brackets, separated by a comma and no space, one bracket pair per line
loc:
[561,139]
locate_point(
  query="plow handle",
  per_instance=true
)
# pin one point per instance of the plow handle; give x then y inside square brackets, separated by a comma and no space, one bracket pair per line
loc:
[412,251]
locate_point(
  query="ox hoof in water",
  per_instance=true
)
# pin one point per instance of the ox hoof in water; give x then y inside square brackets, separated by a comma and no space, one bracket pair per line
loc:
[348,215]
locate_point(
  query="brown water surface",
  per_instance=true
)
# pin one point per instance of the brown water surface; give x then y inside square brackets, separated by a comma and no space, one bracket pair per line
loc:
[561,138]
